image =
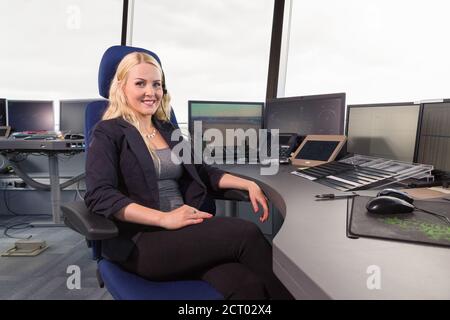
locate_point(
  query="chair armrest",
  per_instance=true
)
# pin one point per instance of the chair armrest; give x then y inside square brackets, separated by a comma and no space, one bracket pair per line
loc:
[92,226]
[231,194]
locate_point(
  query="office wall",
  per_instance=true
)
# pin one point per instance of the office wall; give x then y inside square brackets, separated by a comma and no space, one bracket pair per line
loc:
[33,202]
[68,164]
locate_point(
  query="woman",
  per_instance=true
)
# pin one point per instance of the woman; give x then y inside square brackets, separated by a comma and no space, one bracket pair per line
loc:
[155,203]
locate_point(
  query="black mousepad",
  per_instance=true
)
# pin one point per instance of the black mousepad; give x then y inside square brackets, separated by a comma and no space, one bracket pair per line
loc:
[417,226]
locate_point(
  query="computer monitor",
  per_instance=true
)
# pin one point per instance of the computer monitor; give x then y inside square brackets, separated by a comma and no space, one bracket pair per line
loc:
[304,115]
[72,116]
[30,115]
[387,130]
[434,138]
[2,112]
[224,115]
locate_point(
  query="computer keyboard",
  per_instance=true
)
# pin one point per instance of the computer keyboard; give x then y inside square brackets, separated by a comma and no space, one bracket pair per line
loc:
[284,152]
[41,137]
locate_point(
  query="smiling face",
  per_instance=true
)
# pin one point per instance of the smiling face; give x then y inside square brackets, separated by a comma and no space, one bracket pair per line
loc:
[143,89]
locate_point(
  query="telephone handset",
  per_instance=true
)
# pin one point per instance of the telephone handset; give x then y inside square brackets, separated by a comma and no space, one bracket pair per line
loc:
[289,142]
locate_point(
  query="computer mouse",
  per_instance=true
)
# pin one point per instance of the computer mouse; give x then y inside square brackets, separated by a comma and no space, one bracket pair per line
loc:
[387,204]
[397,194]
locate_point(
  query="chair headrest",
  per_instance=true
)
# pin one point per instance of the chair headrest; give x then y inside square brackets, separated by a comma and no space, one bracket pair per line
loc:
[108,65]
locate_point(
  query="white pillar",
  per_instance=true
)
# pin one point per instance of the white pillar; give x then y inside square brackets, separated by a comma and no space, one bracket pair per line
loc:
[130,17]
[284,52]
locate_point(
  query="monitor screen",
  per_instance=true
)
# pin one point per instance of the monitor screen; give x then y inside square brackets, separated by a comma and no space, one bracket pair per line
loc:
[2,112]
[315,114]
[383,130]
[226,115]
[30,115]
[434,138]
[72,116]
[317,150]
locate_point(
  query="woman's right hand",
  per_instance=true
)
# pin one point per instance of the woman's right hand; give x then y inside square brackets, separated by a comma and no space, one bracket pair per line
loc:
[183,216]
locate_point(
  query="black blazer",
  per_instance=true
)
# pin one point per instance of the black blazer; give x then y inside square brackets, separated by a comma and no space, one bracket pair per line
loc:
[120,171]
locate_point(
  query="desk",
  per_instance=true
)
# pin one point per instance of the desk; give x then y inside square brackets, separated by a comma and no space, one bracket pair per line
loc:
[314,258]
[51,148]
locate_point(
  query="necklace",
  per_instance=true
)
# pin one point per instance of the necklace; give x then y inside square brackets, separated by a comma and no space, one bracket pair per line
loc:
[151,135]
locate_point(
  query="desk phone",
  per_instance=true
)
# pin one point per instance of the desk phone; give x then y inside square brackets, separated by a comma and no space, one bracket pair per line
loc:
[288,143]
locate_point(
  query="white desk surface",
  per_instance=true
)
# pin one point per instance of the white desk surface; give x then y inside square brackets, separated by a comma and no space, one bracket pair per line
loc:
[315,259]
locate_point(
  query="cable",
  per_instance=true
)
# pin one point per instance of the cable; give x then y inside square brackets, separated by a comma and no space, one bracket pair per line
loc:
[13,157]
[20,214]
[75,196]
[446,219]
[6,203]
[3,161]
[27,225]
[78,190]
[66,156]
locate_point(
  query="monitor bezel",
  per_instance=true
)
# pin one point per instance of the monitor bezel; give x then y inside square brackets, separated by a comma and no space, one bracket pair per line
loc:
[8,102]
[84,115]
[341,139]
[419,129]
[5,107]
[190,102]
[341,95]
[390,104]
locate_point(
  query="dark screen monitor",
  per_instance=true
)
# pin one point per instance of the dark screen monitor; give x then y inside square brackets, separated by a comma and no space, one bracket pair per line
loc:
[72,116]
[30,115]
[319,150]
[2,112]
[224,115]
[386,130]
[434,138]
[305,115]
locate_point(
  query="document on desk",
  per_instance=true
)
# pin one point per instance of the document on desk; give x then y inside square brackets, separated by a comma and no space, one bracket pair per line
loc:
[344,180]
[303,175]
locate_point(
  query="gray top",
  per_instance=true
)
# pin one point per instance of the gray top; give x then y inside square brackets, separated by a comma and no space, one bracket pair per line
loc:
[170,196]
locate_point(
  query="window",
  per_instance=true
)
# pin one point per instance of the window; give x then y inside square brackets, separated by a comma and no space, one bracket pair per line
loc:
[375,51]
[210,50]
[52,49]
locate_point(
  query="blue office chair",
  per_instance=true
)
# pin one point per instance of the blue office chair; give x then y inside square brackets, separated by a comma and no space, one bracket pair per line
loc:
[121,284]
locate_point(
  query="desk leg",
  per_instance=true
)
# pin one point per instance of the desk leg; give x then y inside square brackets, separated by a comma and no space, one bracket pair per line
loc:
[55,191]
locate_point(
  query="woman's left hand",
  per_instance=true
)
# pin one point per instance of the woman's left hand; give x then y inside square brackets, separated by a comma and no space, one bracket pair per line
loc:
[257,196]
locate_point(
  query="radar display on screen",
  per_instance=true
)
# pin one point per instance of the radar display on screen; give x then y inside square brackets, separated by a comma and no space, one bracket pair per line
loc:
[304,115]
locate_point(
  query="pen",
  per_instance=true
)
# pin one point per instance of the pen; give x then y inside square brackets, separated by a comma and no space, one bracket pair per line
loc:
[332,196]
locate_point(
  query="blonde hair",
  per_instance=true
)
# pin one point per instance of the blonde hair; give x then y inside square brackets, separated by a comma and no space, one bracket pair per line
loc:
[118,105]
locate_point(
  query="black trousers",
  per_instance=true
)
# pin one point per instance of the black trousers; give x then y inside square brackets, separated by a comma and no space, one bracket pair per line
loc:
[230,253]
